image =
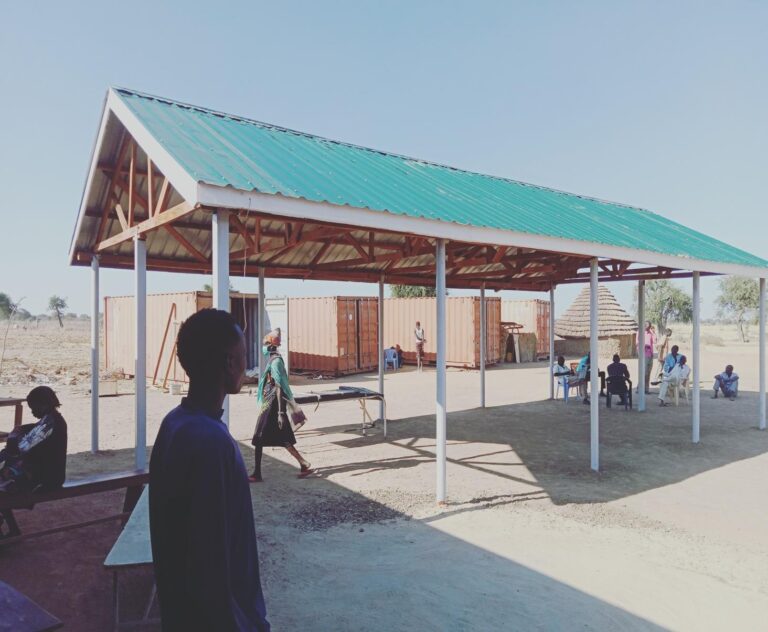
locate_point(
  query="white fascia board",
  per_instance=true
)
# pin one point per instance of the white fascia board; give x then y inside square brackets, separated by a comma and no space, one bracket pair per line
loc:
[95,153]
[297,208]
[185,184]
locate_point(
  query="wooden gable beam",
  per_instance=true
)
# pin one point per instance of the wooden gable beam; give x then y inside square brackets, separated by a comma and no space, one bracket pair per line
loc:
[185,243]
[111,187]
[148,225]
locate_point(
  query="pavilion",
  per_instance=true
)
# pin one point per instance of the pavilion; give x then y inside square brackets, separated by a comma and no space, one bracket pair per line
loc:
[178,188]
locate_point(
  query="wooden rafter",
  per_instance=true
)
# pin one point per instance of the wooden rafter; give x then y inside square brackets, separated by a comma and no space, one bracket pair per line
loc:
[185,243]
[146,226]
[110,188]
[131,184]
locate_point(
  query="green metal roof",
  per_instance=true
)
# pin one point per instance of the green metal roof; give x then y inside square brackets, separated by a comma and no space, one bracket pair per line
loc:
[224,150]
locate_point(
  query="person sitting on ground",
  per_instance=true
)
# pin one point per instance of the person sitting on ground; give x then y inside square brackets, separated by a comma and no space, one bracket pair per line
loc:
[728,382]
[618,373]
[677,376]
[35,455]
[582,373]
[200,510]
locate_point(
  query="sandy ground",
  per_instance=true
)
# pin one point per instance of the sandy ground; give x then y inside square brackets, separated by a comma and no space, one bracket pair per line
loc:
[667,536]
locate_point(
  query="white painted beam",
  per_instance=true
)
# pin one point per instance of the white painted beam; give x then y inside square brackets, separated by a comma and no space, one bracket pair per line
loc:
[220,234]
[551,342]
[95,355]
[140,363]
[483,340]
[440,402]
[594,395]
[761,421]
[696,353]
[641,346]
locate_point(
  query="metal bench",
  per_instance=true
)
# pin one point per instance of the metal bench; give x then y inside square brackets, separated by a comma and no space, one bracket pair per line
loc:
[133,482]
[362,395]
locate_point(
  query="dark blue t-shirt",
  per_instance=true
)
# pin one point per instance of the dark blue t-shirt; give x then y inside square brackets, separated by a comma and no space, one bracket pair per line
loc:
[201,522]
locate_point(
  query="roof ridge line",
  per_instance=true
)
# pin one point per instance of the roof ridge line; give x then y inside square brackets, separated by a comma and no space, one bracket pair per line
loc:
[245,119]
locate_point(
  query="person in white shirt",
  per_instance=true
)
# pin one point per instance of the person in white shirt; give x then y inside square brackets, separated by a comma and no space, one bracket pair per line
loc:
[677,376]
[420,339]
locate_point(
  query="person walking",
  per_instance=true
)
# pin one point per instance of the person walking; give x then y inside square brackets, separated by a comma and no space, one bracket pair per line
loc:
[200,511]
[273,426]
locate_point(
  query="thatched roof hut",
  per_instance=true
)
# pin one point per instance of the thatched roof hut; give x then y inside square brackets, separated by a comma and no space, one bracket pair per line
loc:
[616,329]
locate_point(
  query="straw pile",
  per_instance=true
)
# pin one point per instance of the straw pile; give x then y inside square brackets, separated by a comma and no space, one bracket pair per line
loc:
[612,320]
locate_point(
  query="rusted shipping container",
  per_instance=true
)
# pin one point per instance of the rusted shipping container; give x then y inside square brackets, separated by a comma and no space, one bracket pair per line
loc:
[463,331]
[335,335]
[533,315]
[165,313]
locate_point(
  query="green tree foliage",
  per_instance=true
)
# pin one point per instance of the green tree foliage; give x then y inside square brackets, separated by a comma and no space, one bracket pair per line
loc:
[57,305]
[6,305]
[739,298]
[411,291]
[666,302]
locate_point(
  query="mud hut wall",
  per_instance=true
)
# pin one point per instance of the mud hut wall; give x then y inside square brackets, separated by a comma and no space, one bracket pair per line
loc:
[120,328]
[463,328]
[624,345]
[533,315]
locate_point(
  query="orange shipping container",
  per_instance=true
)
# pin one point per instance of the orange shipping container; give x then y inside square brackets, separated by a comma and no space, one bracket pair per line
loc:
[334,335]
[165,313]
[463,328]
[533,315]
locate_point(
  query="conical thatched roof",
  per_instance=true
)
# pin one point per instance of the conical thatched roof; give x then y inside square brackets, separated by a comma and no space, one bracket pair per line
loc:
[612,319]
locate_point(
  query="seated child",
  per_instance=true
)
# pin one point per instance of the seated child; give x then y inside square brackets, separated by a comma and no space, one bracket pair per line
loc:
[35,455]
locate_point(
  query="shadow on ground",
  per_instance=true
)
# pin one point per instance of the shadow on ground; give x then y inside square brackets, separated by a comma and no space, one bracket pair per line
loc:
[545,445]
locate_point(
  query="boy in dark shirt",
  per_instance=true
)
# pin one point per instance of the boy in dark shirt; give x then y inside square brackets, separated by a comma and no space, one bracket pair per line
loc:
[200,512]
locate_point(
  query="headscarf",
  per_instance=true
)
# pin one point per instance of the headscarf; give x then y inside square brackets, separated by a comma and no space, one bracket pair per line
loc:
[272,339]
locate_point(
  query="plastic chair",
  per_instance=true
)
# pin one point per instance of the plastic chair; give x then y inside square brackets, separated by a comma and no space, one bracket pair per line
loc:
[390,359]
[571,383]
[681,386]
[612,388]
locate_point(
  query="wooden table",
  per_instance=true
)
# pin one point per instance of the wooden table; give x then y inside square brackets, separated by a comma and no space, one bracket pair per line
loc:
[18,613]
[132,549]
[19,405]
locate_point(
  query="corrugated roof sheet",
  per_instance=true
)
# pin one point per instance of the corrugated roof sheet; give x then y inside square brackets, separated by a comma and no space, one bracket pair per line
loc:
[224,150]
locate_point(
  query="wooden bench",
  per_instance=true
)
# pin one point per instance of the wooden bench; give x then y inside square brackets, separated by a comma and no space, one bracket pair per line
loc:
[133,482]
[18,405]
[20,614]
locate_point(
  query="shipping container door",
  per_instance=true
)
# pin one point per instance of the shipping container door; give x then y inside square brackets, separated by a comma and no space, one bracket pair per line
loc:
[347,328]
[367,333]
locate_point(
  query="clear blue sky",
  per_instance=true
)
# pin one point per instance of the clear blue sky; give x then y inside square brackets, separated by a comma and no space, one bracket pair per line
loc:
[657,104]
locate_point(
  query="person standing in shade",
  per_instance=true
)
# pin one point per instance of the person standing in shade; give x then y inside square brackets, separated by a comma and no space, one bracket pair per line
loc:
[200,512]
[649,346]
[273,426]
[420,339]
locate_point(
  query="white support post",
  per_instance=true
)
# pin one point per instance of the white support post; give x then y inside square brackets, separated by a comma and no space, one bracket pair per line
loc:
[594,396]
[220,258]
[551,341]
[440,404]
[761,422]
[140,363]
[380,337]
[262,330]
[483,341]
[696,352]
[641,346]
[95,354]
